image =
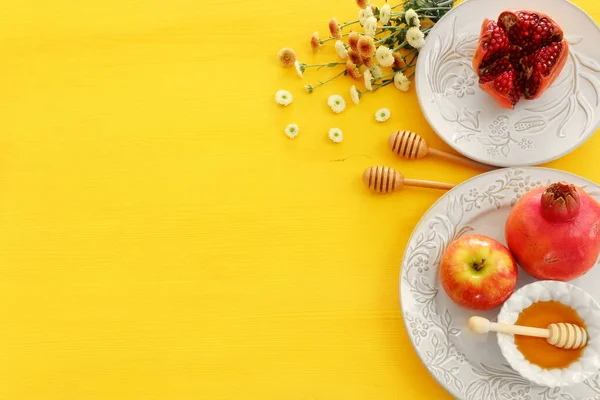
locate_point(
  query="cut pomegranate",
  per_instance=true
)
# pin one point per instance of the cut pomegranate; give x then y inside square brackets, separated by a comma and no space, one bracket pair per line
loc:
[520,55]
[501,81]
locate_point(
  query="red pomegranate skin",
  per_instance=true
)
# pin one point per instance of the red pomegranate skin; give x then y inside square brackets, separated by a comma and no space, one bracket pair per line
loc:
[557,245]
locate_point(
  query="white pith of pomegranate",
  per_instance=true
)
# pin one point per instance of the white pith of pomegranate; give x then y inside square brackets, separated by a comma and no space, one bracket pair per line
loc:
[521,55]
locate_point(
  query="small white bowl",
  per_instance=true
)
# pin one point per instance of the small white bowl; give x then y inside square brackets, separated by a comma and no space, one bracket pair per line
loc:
[587,308]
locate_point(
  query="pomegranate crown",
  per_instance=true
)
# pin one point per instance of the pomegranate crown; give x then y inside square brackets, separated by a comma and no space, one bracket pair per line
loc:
[560,202]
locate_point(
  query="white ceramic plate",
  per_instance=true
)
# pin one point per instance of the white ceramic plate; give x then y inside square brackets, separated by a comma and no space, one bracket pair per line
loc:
[468,365]
[472,122]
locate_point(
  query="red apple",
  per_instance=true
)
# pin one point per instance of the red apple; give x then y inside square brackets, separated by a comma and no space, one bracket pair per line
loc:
[478,272]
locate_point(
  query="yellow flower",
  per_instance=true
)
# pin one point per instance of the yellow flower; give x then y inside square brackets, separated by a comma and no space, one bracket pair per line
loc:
[412,18]
[283,97]
[398,61]
[362,3]
[355,95]
[287,57]
[385,14]
[371,26]
[334,29]
[415,37]
[366,46]
[353,39]
[352,71]
[401,82]
[292,130]
[336,136]
[355,57]
[368,77]
[315,43]
[363,14]
[368,62]
[382,115]
[384,56]
[340,48]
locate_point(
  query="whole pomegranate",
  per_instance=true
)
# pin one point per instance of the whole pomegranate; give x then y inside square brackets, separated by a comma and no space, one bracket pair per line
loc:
[521,55]
[554,232]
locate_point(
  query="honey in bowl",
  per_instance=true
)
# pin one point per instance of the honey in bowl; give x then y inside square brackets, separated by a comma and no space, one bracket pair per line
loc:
[537,350]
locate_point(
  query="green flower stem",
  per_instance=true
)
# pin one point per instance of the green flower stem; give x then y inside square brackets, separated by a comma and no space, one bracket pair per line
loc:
[345,24]
[433,9]
[401,45]
[394,73]
[331,38]
[310,88]
[330,65]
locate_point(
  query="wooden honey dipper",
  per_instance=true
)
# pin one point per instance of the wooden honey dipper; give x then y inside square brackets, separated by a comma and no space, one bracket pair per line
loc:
[562,335]
[412,146]
[382,179]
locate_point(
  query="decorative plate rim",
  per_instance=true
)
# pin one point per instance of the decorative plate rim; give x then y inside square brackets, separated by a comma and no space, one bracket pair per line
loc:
[499,163]
[438,202]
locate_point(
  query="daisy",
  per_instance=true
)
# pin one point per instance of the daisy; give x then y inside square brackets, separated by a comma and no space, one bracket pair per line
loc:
[368,62]
[371,26]
[337,103]
[401,82]
[353,39]
[384,56]
[412,18]
[376,71]
[283,97]
[362,3]
[352,71]
[368,77]
[385,14]
[415,37]
[340,48]
[382,115]
[355,95]
[334,29]
[355,57]
[287,57]
[366,46]
[299,68]
[292,130]
[363,14]
[315,43]
[336,136]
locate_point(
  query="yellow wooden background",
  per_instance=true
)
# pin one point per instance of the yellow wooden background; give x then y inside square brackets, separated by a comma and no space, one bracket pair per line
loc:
[160,238]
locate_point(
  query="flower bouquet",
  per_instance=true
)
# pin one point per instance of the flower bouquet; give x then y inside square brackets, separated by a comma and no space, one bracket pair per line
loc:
[380,47]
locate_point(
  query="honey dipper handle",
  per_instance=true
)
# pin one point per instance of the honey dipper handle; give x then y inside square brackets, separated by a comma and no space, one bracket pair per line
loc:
[482,325]
[462,160]
[429,184]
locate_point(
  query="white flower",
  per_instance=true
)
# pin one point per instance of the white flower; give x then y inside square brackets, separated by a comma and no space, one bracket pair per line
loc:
[354,95]
[292,130]
[341,49]
[415,37]
[382,115]
[371,26]
[401,82]
[376,71]
[368,77]
[299,68]
[363,14]
[385,13]
[337,103]
[335,134]
[412,18]
[384,56]
[283,97]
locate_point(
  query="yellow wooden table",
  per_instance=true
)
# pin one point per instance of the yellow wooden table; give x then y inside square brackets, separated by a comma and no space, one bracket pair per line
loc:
[162,239]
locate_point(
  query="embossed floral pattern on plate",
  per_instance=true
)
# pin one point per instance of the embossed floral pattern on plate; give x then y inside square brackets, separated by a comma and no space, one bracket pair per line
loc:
[436,326]
[535,131]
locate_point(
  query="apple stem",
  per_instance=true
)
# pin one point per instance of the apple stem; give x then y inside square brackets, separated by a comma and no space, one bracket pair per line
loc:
[478,267]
